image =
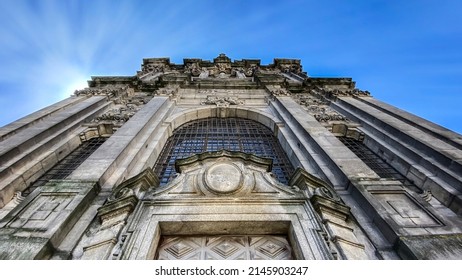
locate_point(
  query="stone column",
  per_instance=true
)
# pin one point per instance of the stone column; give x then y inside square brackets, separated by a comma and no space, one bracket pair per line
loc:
[112,163]
[111,156]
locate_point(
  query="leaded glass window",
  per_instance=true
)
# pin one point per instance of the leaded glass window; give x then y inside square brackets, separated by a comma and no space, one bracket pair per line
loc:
[68,164]
[375,162]
[214,134]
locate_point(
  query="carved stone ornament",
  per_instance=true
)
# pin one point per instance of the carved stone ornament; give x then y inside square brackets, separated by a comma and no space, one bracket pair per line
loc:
[222,101]
[192,68]
[239,73]
[359,92]
[427,195]
[313,185]
[294,68]
[154,65]
[17,198]
[288,65]
[220,198]
[170,91]
[118,115]
[328,114]
[204,73]
[224,174]
[123,110]
[136,185]
[224,67]
[251,70]
[110,90]
[310,100]
[279,91]
[223,178]
[319,108]
[330,93]
[125,197]
[154,68]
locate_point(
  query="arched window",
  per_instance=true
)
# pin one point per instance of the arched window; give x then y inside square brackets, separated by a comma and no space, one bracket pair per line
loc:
[214,134]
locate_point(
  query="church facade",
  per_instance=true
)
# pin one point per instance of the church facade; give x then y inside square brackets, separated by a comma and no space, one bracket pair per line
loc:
[228,159]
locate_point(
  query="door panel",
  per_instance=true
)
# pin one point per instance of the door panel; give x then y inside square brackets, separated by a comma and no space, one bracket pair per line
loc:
[224,247]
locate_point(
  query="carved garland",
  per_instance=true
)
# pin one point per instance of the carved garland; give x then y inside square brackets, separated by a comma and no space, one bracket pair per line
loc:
[224,101]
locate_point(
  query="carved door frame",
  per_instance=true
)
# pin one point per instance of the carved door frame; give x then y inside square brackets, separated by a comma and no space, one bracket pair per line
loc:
[143,241]
[224,193]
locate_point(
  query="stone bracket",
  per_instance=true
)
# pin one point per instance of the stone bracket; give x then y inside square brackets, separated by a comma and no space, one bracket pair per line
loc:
[114,214]
[312,185]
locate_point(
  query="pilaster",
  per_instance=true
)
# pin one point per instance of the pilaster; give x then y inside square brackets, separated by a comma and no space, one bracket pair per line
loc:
[26,154]
[111,155]
[429,156]
[331,157]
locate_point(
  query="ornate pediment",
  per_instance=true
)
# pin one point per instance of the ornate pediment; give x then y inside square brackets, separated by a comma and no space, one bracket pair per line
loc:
[225,175]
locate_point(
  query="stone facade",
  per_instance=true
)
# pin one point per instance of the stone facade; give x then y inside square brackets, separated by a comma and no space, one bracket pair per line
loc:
[227,204]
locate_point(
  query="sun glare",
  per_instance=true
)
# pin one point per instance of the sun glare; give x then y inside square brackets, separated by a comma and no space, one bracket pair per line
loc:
[77,84]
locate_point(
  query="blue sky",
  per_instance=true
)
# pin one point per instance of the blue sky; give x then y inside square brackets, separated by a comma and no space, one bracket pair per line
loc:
[407,53]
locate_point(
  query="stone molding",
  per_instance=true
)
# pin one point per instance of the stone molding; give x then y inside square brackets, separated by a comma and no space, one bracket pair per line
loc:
[334,213]
[182,164]
[212,184]
[113,215]
[221,67]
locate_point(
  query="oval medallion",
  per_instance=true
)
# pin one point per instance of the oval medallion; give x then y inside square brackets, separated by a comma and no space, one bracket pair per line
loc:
[223,178]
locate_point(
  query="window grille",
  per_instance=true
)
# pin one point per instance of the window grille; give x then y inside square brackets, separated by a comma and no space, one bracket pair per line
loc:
[68,164]
[376,163]
[214,134]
